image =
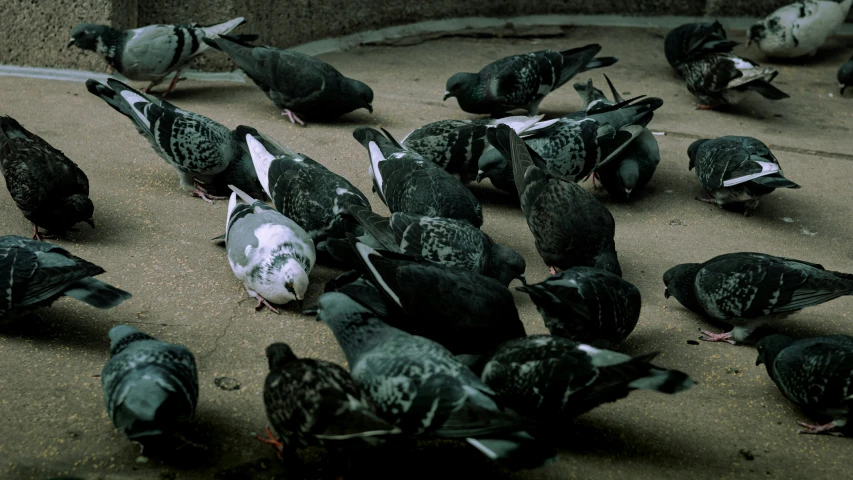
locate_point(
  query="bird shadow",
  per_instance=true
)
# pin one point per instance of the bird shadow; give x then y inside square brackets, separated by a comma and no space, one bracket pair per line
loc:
[55,325]
[488,194]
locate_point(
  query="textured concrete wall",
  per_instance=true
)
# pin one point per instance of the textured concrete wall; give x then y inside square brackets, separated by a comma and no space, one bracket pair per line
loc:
[35,31]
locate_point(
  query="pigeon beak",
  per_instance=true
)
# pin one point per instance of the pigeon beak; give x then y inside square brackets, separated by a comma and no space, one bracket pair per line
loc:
[665,293]
[447,95]
[758,361]
[628,192]
[71,43]
[91,222]
[842,87]
[523,278]
[480,174]
[370,108]
[299,304]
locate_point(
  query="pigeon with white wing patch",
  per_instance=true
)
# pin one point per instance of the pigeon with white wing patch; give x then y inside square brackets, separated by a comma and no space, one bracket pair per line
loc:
[735,169]
[799,28]
[270,253]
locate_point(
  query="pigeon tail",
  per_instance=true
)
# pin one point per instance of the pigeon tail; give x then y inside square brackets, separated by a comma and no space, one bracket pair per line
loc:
[775,181]
[516,451]
[600,62]
[376,225]
[261,159]
[365,135]
[663,381]
[513,148]
[106,94]
[224,27]
[575,60]
[766,90]
[96,293]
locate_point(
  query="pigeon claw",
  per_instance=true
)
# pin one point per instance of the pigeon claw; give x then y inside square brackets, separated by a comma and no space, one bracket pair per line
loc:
[271,440]
[717,337]
[700,106]
[294,118]
[809,429]
[36,235]
[173,84]
[201,192]
[262,302]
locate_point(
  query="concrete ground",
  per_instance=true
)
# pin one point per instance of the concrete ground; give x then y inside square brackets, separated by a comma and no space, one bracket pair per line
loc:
[154,241]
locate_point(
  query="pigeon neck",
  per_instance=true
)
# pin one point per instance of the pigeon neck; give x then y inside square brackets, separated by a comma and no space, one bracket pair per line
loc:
[127,340]
[681,287]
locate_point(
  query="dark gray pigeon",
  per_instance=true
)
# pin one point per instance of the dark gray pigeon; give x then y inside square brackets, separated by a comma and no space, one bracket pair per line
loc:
[204,152]
[815,374]
[150,387]
[422,388]
[845,75]
[634,166]
[301,85]
[692,41]
[587,305]
[303,190]
[50,190]
[317,403]
[521,81]
[749,289]
[442,240]
[34,274]
[736,170]
[570,226]
[407,183]
[546,378]
[464,311]
[152,52]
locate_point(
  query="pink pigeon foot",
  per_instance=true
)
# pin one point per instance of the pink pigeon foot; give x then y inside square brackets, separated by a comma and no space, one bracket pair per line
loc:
[262,302]
[201,192]
[699,106]
[717,337]
[271,440]
[172,85]
[36,235]
[810,429]
[294,118]
[553,270]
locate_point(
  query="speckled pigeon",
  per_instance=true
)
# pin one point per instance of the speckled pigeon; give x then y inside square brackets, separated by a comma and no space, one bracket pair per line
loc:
[50,190]
[631,169]
[692,41]
[408,183]
[313,402]
[442,240]
[547,378]
[152,52]
[799,28]
[736,170]
[270,253]
[150,387]
[570,226]
[587,305]
[521,81]
[34,274]
[421,387]
[301,85]
[303,190]
[815,374]
[749,289]
[203,152]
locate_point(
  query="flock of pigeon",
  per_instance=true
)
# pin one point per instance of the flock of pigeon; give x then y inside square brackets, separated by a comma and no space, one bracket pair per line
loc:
[423,313]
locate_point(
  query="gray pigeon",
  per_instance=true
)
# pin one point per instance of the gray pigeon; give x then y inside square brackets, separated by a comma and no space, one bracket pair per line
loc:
[152,52]
[407,183]
[634,166]
[799,28]
[313,402]
[150,387]
[815,374]
[50,190]
[270,253]
[748,290]
[736,170]
[203,152]
[34,274]
[442,240]
[547,378]
[570,226]
[303,190]
[587,305]
[301,85]
[845,75]
[521,81]
[422,388]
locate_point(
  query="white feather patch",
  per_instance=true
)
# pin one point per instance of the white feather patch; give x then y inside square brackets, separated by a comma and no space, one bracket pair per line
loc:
[767,168]
[262,159]
[376,158]
[232,204]
[132,99]
[365,251]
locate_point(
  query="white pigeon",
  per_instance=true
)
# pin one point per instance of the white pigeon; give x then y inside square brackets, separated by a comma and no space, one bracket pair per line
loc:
[799,28]
[270,253]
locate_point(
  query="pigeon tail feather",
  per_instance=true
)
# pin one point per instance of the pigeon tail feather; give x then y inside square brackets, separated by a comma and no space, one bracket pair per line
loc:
[766,90]
[516,451]
[97,293]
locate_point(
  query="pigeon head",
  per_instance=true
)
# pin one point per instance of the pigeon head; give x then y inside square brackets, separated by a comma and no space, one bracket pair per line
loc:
[284,281]
[591,96]
[491,165]
[506,264]
[756,33]
[459,85]
[77,208]
[769,347]
[360,95]
[609,262]
[355,327]
[678,282]
[845,75]
[123,335]
[280,354]
[692,150]
[90,37]
[628,175]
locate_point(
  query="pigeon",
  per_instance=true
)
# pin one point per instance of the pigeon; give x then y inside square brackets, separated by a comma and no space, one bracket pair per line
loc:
[450,242]
[317,403]
[570,226]
[845,75]
[799,28]
[303,190]
[587,305]
[736,169]
[270,253]
[150,387]
[407,183]
[34,274]
[152,52]
[545,377]
[814,374]
[301,85]
[50,190]
[465,312]
[702,56]
[456,145]
[521,81]
[632,169]
[419,386]
[748,290]
[203,151]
